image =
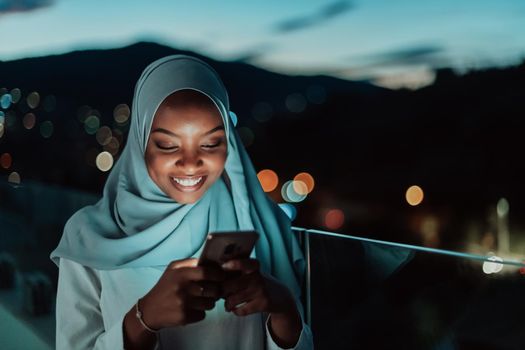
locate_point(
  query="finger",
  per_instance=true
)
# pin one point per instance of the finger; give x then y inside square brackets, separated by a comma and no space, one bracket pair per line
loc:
[236,300]
[202,273]
[234,285]
[204,289]
[244,265]
[177,264]
[200,303]
[249,308]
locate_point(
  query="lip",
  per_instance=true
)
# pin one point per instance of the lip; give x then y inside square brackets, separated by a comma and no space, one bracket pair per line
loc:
[188,188]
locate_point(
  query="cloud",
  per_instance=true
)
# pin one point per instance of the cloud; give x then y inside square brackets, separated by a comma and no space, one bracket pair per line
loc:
[14,6]
[430,55]
[324,14]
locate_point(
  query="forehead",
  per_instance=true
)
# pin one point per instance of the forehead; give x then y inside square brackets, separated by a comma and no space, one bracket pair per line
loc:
[187,115]
[187,106]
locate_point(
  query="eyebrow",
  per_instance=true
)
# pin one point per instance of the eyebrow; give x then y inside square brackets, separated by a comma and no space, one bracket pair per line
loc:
[171,133]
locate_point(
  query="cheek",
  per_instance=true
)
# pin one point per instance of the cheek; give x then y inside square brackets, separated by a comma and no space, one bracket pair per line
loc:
[158,163]
[217,161]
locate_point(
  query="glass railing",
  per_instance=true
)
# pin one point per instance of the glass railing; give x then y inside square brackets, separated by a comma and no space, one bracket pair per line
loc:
[368,294]
[359,293]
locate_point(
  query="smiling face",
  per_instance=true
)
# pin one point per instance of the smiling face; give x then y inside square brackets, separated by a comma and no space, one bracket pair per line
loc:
[186,149]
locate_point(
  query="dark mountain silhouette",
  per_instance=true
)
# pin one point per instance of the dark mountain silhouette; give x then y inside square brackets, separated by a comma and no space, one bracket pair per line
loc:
[460,139]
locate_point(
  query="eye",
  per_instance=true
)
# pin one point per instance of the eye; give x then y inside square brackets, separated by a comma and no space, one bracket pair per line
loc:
[212,145]
[166,148]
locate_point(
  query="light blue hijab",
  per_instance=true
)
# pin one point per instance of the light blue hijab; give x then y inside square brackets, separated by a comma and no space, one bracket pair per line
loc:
[135,224]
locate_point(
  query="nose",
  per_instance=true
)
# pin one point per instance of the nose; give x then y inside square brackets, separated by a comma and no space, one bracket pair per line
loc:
[189,162]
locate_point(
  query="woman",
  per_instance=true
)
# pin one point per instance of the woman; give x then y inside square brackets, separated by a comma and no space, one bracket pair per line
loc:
[128,275]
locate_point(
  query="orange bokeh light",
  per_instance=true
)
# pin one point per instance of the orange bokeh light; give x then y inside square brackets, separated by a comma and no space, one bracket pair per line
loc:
[6,160]
[414,195]
[268,179]
[334,219]
[307,179]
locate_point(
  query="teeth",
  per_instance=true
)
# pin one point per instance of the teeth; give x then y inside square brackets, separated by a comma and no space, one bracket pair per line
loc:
[188,182]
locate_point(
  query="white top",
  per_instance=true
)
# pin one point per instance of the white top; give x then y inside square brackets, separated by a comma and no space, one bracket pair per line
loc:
[91,305]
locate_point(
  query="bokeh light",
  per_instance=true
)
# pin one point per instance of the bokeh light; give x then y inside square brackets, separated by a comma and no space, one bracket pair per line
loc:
[83,112]
[296,103]
[5,101]
[414,195]
[289,209]
[49,103]
[334,219]
[16,94]
[6,160]
[247,136]
[308,181]
[104,161]
[33,100]
[268,179]
[46,129]
[112,146]
[262,112]
[14,178]
[289,194]
[493,266]
[29,121]
[502,207]
[91,124]
[104,135]
[2,123]
[117,133]
[300,187]
[121,113]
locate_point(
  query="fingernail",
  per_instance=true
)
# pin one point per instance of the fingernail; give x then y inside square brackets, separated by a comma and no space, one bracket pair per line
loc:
[227,265]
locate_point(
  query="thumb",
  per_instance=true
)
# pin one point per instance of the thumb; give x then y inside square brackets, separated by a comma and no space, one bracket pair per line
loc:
[177,264]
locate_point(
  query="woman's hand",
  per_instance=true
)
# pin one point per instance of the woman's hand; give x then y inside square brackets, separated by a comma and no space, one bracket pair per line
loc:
[252,292]
[182,294]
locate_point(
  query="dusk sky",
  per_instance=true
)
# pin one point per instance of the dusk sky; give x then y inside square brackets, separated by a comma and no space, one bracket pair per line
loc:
[392,43]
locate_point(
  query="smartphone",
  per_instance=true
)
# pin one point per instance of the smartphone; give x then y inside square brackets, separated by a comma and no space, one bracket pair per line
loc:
[223,246]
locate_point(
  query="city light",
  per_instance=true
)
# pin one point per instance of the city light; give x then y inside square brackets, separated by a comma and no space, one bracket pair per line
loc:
[6,160]
[5,101]
[334,219]
[289,194]
[16,94]
[91,124]
[307,180]
[46,129]
[121,113]
[414,195]
[14,178]
[104,135]
[268,179]
[490,267]
[104,161]
[289,209]
[29,121]
[33,100]
[502,207]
